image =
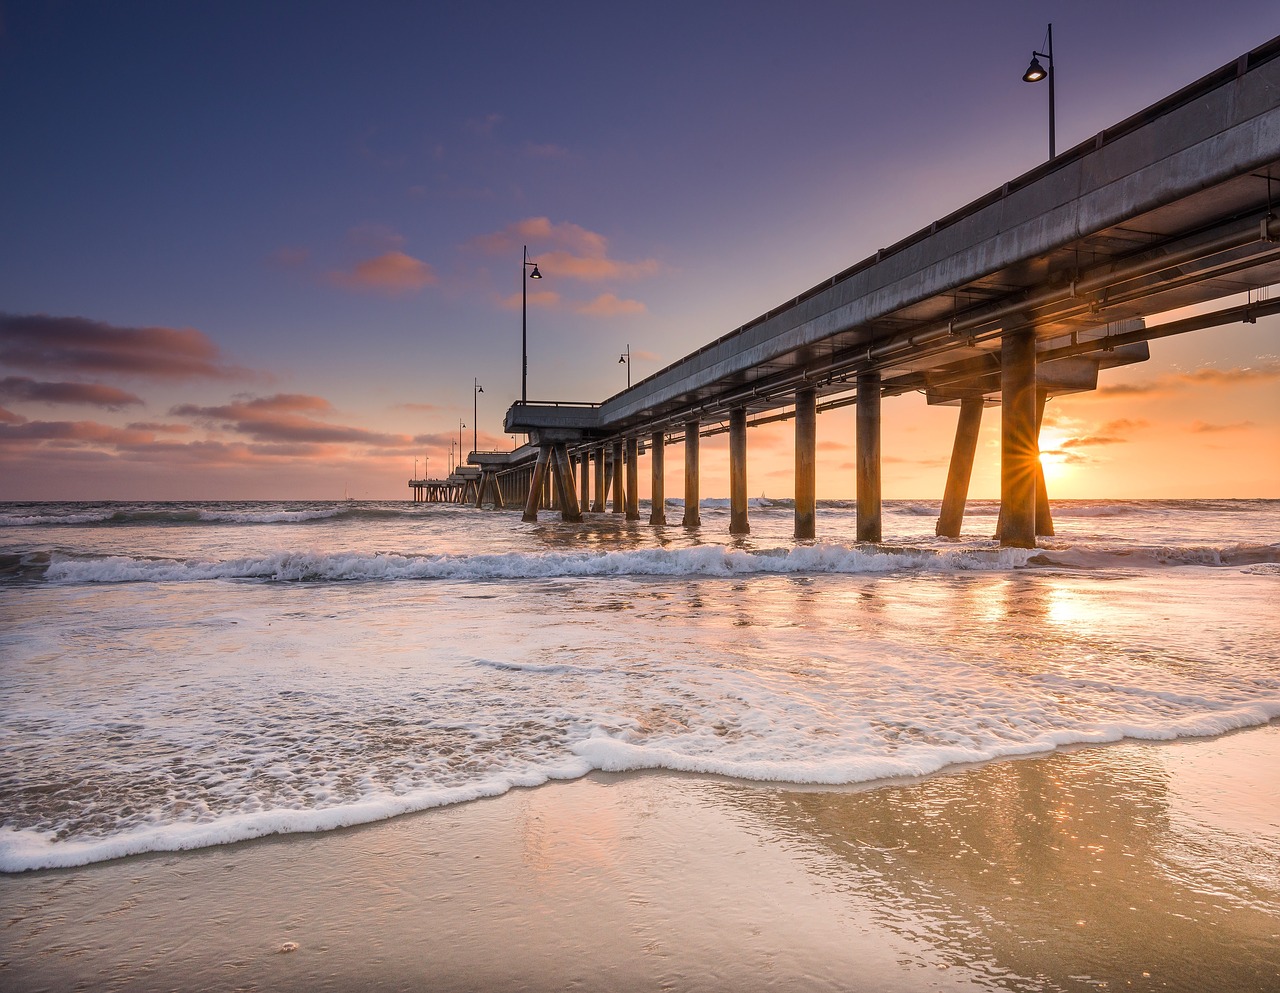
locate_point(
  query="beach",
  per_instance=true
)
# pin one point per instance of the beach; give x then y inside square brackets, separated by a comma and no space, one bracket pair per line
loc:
[1130,866]
[387,746]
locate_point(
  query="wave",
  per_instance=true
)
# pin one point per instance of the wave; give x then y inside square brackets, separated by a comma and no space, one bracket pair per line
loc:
[705,560]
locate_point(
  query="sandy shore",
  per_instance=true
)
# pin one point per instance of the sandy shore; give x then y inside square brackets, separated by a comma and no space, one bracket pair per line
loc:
[1134,866]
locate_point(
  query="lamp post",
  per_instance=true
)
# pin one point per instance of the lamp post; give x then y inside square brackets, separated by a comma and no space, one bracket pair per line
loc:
[451,444]
[1036,72]
[525,276]
[625,359]
[460,427]
[475,415]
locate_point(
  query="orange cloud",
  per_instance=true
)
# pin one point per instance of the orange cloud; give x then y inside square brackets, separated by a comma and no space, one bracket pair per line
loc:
[538,298]
[564,249]
[609,305]
[1202,427]
[392,272]
[1267,369]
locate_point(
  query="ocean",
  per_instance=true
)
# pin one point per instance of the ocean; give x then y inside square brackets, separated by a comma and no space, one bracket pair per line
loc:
[183,675]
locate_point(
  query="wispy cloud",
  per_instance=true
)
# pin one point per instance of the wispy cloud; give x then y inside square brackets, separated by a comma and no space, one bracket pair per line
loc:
[1266,369]
[1204,427]
[610,305]
[284,417]
[484,126]
[565,250]
[89,394]
[39,342]
[391,273]
[538,298]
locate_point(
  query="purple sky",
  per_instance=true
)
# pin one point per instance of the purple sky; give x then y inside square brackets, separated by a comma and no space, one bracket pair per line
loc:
[261,250]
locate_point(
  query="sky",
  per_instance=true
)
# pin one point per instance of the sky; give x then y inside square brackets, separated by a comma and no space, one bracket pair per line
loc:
[266,250]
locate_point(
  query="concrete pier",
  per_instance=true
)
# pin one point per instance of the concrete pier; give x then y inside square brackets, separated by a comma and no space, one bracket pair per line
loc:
[961,469]
[1019,451]
[633,479]
[569,509]
[534,499]
[619,492]
[738,523]
[867,458]
[584,481]
[806,463]
[657,481]
[692,517]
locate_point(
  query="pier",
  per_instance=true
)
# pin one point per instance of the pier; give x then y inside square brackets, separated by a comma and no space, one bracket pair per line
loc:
[1027,293]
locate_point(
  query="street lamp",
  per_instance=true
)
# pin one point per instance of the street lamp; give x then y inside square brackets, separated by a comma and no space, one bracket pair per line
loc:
[1036,72]
[625,359]
[475,414]
[460,427]
[525,276]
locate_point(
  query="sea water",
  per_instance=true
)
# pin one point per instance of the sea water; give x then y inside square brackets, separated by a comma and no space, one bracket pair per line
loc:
[185,675]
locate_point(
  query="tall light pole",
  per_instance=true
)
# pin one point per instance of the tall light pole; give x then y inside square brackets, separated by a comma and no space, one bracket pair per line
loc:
[475,415]
[1036,72]
[461,425]
[625,359]
[525,276]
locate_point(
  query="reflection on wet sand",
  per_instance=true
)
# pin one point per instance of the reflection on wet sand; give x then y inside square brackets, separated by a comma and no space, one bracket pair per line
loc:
[1078,869]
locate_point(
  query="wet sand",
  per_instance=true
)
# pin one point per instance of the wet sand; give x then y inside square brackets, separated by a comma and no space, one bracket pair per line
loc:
[1130,866]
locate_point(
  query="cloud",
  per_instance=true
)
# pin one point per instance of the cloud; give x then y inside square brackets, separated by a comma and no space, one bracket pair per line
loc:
[538,298]
[91,394]
[391,273]
[547,150]
[9,417]
[1203,427]
[1088,441]
[1267,369]
[610,305]
[289,257]
[73,431]
[484,126]
[418,408]
[158,428]
[283,418]
[39,342]
[564,250]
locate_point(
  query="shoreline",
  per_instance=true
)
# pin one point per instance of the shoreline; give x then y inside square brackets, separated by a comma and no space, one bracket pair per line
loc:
[1089,861]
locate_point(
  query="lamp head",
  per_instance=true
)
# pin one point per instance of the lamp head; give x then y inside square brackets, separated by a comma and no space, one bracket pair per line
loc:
[622,359]
[1035,72]
[535,274]
[479,388]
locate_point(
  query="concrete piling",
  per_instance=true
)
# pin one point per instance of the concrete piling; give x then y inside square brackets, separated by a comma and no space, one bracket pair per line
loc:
[692,518]
[1019,451]
[961,469]
[657,487]
[738,523]
[806,463]
[867,457]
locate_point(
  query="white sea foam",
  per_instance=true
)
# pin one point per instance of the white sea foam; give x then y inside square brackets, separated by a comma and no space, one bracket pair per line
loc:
[268,517]
[705,560]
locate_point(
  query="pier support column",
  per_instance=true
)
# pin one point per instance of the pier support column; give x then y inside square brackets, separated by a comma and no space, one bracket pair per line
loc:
[657,482]
[867,440]
[584,480]
[619,493]
[633,478]
[1044,514]
[961,468]
[806,463]
[534,500]
[1019,453]
[597,505]
[569,510]
[738,523]
[692,517]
